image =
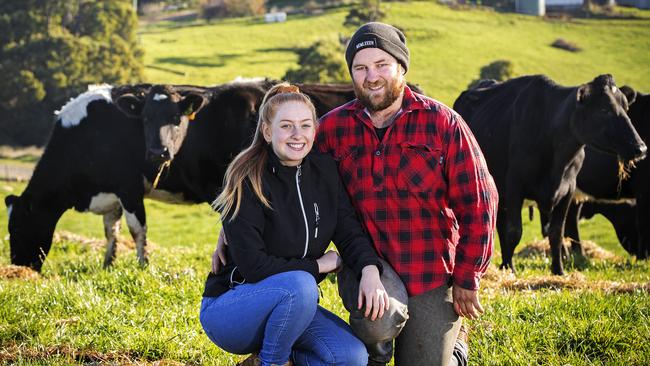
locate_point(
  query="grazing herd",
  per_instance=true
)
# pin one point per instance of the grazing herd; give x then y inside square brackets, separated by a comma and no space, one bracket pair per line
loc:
[113,146]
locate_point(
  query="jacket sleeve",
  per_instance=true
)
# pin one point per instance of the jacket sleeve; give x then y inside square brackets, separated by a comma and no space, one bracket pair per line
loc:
[350,239]
[246,244]
[473,199]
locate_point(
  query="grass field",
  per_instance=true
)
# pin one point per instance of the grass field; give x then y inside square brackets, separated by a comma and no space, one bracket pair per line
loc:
[448,47]
[76,312]
[79,313]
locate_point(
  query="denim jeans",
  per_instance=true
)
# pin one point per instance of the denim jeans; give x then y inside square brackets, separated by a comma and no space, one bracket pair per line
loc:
[279,317]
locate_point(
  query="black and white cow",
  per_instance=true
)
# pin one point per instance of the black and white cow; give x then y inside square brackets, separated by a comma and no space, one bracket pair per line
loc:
[226,103]
[202,149]
[532,133]
[94,161]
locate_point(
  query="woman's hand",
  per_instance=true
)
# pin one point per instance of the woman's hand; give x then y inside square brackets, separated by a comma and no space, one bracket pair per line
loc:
[329,262]
[372,291]
[219,255]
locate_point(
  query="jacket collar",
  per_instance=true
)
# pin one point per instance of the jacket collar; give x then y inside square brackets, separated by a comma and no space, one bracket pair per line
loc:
[275,166]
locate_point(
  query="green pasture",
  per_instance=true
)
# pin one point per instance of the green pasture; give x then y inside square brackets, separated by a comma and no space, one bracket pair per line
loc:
[448,47]
[128,314]
[79,313]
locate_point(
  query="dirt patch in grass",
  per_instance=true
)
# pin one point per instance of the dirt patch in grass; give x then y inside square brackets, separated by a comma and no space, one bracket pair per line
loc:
[495,279]
[542,248]
[566,45]
[123,243]
[14,353]
[11,272]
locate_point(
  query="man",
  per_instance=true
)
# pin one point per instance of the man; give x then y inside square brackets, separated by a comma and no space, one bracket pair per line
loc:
[421,187]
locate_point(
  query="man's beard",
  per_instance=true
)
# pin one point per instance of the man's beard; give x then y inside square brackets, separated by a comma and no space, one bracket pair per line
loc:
[393,90]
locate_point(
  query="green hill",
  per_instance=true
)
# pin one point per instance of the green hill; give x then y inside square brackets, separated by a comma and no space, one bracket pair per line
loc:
[448,46]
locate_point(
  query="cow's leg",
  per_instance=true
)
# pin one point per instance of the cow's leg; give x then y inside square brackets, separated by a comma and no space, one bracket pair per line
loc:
[502,231]
[556,233]
[136,221]
[571,228]
[643,225]
[513,228]
[111,231]
[543,220]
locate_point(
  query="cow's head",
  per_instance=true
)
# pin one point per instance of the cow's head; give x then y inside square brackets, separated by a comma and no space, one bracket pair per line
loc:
[639,111]
[30,230]
[601,120]
[166,115]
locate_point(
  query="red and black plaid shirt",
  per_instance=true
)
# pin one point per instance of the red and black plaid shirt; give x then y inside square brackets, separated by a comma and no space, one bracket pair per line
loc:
[423,193]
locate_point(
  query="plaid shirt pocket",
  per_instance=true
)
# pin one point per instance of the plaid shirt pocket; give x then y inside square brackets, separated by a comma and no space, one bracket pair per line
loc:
[421,168]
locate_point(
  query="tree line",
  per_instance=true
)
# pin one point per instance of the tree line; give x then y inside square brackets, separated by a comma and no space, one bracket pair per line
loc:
[51,50]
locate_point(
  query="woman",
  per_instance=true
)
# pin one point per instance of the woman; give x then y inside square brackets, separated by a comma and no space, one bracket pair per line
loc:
[281,206]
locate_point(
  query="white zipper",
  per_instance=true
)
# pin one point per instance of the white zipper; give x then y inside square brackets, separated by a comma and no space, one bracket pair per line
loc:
[302,207]
[317,214]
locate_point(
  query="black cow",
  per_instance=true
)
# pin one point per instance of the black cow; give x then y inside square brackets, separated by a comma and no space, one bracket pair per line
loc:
[532,133]
[600,179]
[622,215]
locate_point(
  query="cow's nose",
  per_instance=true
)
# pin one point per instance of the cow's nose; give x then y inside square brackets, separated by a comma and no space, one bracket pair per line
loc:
[642,152]
[158,155]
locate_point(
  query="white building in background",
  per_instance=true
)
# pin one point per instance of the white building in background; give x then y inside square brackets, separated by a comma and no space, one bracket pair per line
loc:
[539,7]
[530,7]
[564,3]
[276,17]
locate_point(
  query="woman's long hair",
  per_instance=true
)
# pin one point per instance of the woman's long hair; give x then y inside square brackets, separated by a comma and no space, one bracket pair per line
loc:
[249,164]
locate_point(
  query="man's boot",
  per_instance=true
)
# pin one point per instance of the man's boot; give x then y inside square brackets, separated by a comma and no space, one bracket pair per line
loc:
[460,355]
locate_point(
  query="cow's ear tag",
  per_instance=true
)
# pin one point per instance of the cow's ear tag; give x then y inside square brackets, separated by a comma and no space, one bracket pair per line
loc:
[192,116]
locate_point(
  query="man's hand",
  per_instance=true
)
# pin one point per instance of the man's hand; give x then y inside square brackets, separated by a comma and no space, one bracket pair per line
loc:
[466,302]
[373,292]
[219,255]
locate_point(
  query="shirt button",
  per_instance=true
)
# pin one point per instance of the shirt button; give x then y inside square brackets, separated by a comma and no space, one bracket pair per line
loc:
[378,152]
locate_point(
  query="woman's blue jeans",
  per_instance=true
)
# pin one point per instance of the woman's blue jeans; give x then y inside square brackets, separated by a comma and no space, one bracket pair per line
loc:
[279,317]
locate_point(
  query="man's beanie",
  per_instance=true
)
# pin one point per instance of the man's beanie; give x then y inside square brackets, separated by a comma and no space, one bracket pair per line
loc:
[382,36]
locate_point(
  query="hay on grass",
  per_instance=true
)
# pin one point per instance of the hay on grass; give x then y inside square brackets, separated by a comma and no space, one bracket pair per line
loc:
[496,279]
[542,248]
[10,353]
[11,272]
[123,244]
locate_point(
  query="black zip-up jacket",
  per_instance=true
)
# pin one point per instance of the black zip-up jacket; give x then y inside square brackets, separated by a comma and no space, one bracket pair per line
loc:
[309,208]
